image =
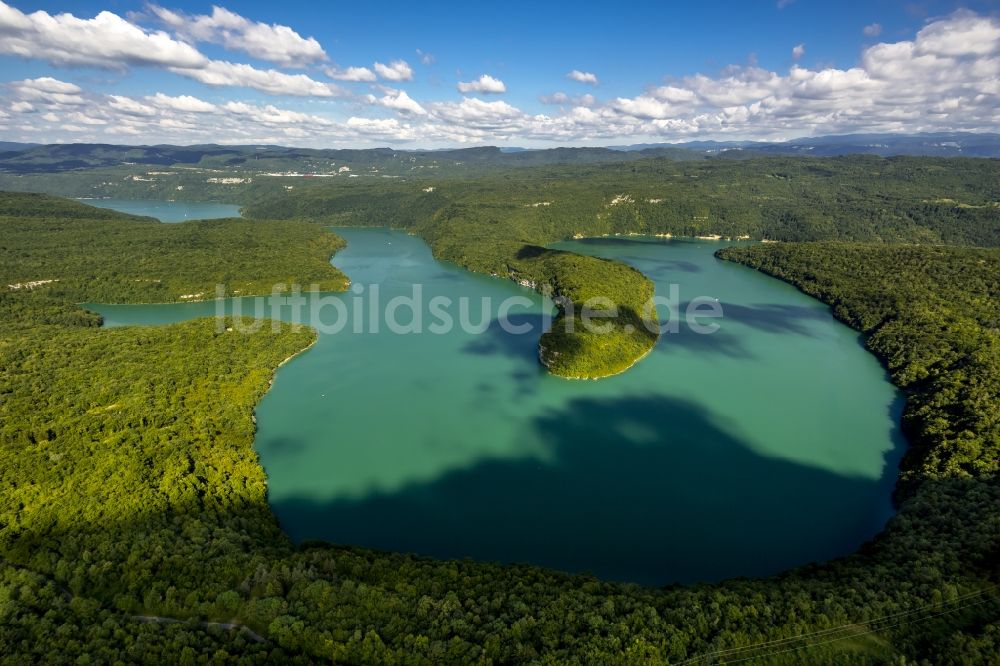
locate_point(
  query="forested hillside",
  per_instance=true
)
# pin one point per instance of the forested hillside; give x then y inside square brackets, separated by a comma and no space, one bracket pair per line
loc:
[855,198]
[500,224]
[81,253]
[933,315]
[134,444]
[132,489]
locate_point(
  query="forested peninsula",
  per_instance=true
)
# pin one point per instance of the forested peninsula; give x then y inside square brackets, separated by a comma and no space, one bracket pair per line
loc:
[131,488]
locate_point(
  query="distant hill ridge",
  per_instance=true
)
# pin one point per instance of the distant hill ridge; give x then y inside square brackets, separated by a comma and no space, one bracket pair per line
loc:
[33,158]
[947,144]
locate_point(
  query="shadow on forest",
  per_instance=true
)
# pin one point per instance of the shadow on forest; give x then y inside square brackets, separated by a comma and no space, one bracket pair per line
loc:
[160,562]
[533,252]
[645,489]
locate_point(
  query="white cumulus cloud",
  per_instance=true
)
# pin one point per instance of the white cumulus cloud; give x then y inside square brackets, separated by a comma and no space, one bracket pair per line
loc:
[272,115]
[583,77]
[275,43]
[400,101]
[945,77]
[107,41]
[350,74]
[271,81]
[111,42]
[476,113]
[484,84]
[963,34]
[389,128]
[130,106]
[397,70]
[85,119]
[185,103]
[562,99]
[48,90]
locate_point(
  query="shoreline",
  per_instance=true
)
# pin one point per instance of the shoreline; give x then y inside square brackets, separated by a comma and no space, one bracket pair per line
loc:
[634,234]
[301,351]
[611,374]
[270,383]
[211,300]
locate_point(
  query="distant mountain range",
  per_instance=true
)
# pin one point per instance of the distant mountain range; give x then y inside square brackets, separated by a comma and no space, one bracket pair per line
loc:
[14,146]
[35,158]
[951,144]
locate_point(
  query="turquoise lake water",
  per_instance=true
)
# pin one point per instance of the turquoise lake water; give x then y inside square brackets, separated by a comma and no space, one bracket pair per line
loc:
[168,211]
[771,443]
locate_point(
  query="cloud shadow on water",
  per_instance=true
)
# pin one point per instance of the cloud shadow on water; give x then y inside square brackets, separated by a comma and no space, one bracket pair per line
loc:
[721,342]
[448,276]
[661,268]
[647,489]
[281,446]
[521,347]
[774,317]
[496,340]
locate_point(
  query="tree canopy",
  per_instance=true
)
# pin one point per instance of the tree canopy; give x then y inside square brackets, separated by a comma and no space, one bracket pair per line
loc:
[134,524]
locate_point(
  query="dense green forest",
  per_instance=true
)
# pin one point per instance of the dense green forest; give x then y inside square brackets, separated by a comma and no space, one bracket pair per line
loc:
[933,315]
[82,253]
[131,488]
[856,198]
[500,224]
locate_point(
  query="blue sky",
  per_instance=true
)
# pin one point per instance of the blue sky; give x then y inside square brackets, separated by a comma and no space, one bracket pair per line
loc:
[654,71]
